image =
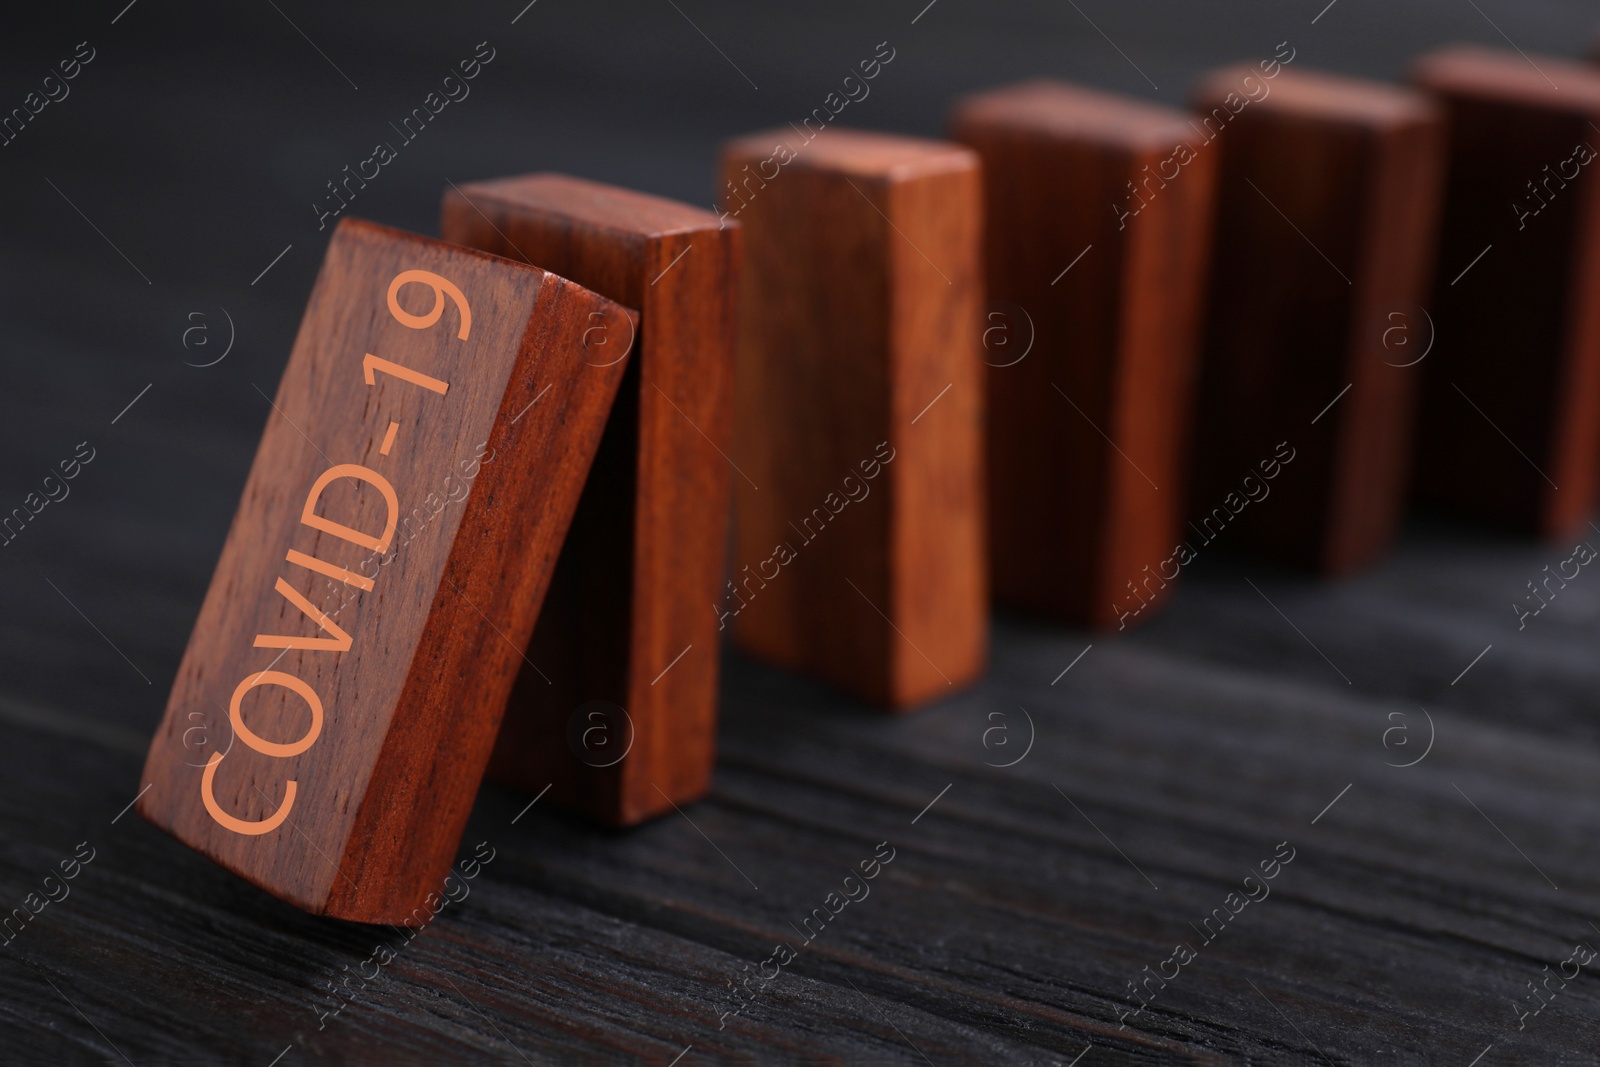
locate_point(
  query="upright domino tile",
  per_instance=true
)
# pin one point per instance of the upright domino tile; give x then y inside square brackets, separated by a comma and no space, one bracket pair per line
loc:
[618,710]
[1093,313]
[339,697]
[1511,404]
[858,543]
[1327,213]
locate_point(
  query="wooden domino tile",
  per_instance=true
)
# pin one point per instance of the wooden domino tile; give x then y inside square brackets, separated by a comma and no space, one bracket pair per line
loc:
[1327,214]
[617,712]
[336,705]
[1093,320]
[858,532]
[1510,427]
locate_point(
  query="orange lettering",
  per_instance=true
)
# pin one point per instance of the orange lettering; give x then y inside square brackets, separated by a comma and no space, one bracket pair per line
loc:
[441,288]
[260,744]
[338,574]
[309,516]
[242,826]
[339,642]
[405,374]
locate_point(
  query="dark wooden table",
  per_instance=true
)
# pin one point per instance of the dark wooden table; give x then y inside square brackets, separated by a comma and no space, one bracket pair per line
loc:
[1023,902]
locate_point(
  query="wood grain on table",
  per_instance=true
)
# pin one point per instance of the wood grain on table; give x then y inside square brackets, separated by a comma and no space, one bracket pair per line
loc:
[1021,900]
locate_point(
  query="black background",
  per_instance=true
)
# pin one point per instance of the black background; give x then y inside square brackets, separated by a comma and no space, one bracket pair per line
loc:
[200,136]
[197,141]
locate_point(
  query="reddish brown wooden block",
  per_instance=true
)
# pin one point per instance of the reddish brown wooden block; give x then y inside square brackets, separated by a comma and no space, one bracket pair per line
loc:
[1327,207]
[1511,404]
[858,544]
[1087,428]
[628,623]
[336,706]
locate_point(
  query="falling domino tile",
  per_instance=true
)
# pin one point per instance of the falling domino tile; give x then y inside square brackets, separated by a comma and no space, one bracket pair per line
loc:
[336,705]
